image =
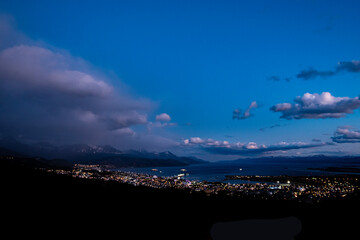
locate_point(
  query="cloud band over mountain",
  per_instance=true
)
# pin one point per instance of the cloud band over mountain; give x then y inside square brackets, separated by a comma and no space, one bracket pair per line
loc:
[250,148]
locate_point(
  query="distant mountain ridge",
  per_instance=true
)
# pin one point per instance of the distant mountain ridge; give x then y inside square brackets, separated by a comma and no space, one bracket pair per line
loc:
[94,154]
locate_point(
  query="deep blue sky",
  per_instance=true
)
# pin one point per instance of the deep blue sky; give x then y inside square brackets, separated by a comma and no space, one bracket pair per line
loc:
[198,61]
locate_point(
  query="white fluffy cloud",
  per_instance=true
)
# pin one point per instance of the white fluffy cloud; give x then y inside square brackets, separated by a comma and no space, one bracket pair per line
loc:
[315,105]
[196,140]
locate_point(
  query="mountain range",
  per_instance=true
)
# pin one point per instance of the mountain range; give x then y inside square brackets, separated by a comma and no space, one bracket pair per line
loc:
[94,154]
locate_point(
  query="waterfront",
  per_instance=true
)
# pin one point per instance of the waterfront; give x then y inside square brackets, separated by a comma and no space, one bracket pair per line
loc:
[308,189]
[217,172]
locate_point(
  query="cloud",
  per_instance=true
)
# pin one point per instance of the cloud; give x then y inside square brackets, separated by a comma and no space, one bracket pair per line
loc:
[253,148]
[152,125]
[237,113]
[352,66]
[163,117]
[125,131]
[8,34]
[45,80]
[162,121]
[46,94]
[274,78]
[312,73]
[119,120]
[271,127]
[347,66]
[38,68]
[205,142]
[346,135]
[316,106]
[278,79]
[196,140]
[238,148]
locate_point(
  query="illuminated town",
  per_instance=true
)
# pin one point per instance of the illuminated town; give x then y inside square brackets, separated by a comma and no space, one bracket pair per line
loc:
[298,188]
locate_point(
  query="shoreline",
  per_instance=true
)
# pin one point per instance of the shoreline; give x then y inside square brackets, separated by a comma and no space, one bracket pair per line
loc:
[294,188]
[338,169]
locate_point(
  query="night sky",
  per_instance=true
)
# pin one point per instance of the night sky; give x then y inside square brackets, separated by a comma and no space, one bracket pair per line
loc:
[213,79]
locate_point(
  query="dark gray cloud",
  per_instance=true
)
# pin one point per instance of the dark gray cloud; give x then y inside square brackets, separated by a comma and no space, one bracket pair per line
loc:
[278,79]
[347,66]
[346,135]
[42,87]
[251,148]
[316,106]
[271,127]
[238,114]
[312,73]
[46,94]
[352,66]
[274,78]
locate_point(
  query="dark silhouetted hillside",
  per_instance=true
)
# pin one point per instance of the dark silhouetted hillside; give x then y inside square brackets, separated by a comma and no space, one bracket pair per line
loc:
[45,205]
